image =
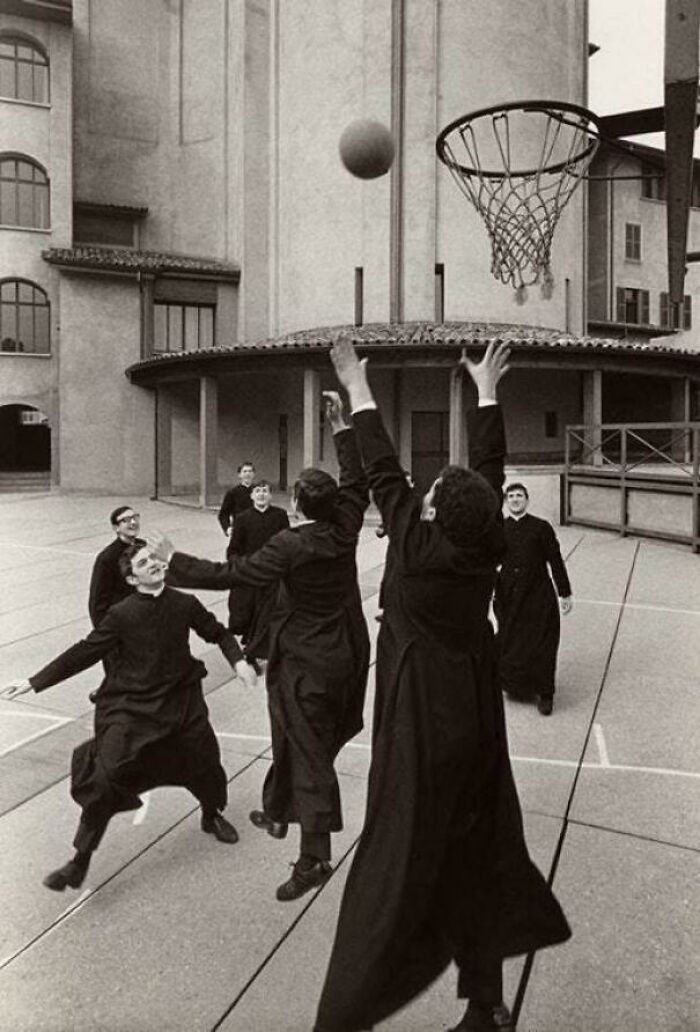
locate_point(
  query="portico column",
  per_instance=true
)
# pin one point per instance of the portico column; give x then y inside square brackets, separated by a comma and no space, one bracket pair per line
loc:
[164,443]
[457,435]
[312,408]
[680,413]
[208,440]
[593,415]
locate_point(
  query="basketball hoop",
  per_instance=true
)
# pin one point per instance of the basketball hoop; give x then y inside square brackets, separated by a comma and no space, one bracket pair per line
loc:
[519,164]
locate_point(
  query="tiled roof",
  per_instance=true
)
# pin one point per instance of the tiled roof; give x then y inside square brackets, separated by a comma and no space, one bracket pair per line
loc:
[444,336]
[97,207]
[122,259]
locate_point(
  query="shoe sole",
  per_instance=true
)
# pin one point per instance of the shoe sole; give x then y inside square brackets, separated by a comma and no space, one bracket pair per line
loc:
[275,829]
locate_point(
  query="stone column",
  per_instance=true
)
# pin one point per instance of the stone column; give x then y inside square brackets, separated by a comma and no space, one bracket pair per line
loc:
[312,407]
[593,415]
[164,443]
[680,413]
[457,433]
[208,441]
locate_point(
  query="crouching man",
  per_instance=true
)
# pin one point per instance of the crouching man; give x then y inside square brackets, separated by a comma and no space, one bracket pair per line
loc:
[151,721]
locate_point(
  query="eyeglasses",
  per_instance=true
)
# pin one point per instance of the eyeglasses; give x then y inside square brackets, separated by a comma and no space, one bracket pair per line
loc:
[134,517]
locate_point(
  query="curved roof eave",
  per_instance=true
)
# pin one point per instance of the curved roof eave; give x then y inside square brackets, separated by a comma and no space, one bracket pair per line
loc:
[401,341]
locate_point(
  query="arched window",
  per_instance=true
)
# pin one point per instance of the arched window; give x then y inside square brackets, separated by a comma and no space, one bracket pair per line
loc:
[24,317]
[24,70]
[24,193]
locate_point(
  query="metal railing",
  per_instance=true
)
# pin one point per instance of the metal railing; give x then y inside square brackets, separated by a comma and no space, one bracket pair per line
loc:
[661,459]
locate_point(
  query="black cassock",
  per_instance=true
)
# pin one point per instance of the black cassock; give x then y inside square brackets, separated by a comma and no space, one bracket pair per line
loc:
[151,721]
[319,647]
[250,609]
[107,583]
[441,872]
[236,500]
[526,607]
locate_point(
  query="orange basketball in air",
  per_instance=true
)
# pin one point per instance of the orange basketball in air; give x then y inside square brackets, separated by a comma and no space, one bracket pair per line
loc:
[367,149]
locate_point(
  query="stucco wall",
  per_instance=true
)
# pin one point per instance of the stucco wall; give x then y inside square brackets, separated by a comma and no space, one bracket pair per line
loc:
[106,431]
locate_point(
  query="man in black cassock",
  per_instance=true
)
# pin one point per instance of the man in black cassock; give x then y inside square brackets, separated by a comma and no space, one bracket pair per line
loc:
[319,650]
[151,721]
[526,606]
[441,872]
[236,500]
[107,584]
[252,529]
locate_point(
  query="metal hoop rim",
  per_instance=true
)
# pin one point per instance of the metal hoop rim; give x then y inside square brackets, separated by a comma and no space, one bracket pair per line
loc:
[524,105]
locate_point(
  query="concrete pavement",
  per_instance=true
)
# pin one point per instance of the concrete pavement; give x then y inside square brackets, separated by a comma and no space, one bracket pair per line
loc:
[173,932]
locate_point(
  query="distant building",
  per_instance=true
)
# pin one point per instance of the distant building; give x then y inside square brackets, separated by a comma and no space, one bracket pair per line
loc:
[177,236]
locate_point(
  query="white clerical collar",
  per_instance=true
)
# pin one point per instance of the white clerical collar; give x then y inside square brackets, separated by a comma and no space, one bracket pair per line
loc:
[518,517]
[153,594]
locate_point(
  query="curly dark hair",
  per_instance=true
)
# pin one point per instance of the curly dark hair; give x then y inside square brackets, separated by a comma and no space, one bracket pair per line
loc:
[466,505]
[315,493]
[127,555]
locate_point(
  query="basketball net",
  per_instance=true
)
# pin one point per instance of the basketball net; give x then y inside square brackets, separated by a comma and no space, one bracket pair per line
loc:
[520,206]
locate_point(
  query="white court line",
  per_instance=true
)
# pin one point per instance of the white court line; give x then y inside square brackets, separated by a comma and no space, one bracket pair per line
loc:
[43,548]
[520,759]
[58,722]
[602,747]
[70,909]
[140,815]
[636,605]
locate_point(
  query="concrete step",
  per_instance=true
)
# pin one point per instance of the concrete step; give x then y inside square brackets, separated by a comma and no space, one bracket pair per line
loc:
[12,480]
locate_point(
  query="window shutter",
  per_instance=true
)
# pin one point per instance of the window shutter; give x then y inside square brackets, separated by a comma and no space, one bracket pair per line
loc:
[621,305]
[645,307]
[664,319]
[687,312]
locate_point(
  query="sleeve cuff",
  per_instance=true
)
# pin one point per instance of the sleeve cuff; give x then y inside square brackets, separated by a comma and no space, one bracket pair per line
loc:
[367,407]
[483,402]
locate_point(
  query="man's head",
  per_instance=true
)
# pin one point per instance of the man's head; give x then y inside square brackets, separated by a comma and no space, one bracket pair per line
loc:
[141,568]
[315,494]
[517,499]
[261,494]
[246,473]
[126,522]
[462,502]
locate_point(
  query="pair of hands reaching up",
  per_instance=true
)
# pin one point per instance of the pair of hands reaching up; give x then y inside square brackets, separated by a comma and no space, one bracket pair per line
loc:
[352,371]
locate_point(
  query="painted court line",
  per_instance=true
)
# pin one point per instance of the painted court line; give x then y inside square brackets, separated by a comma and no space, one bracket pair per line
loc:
[636,605]
[602,747]
[43,548]
[58,722]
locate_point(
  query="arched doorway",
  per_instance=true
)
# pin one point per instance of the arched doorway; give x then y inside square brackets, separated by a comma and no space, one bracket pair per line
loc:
[25,440]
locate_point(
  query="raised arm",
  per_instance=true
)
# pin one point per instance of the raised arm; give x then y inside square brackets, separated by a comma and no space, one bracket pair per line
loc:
[353,496]
[485,430]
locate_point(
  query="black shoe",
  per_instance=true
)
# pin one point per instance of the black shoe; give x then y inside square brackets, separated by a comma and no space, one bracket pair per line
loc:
[92,697]
[220,828]
[486,1019]
[545,705]
[278,829]
[304,879]
[70,874]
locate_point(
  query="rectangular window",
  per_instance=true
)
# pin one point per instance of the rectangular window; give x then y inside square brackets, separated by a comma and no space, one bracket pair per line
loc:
[182,327]
[633,241]
[666,315]
[632,306]
[653,183]
[551,424]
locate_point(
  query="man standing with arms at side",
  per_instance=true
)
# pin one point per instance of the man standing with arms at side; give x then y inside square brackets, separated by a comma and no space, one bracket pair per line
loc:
[253,528]
[525,604]
[236,500]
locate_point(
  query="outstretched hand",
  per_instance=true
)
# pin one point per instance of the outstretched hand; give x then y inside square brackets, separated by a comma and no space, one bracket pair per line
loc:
[487,372]
[15,688]
[160,546]
[351,371]
[334,410]
[247,673]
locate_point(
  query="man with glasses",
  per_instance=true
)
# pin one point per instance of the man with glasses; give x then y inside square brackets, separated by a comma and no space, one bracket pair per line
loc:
[107,585]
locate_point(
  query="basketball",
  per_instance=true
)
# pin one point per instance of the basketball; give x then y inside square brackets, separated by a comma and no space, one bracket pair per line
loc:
[366,149]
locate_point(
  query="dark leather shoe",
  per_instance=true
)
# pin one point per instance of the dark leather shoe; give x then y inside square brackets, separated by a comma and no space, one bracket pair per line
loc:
[303,880]
[70,874]
[486,1019]
[545,705]
[220,828]
[278,829]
